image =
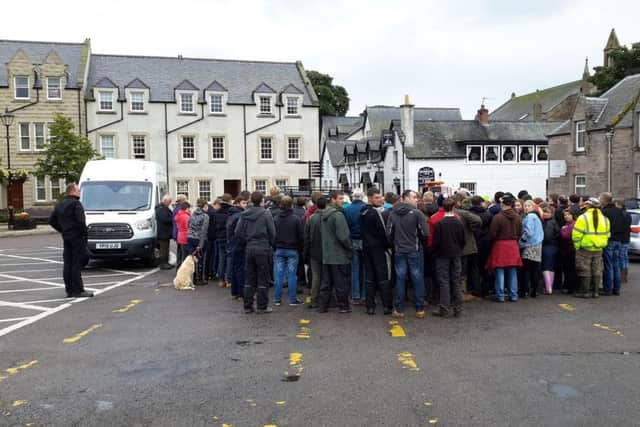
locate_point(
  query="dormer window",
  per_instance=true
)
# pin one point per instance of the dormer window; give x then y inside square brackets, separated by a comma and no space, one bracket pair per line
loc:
[474,153]
[54,88]
[136,100]
[105,100]
[509,154]
[292,105]
[21,87]
[580,131]
[265,105]
[186,103]
[543,154]
[215,103]
[491,154]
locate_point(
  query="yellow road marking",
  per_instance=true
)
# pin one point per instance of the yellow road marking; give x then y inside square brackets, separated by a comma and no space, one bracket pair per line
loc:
[227,425]
[18,403]
[305,332]
[129,306]
[79,336]
[281,402]
[607,328]
[308,300]
[295,359]
[304,321]
[270,425]
[567,307]
[433,421]
[407,361]
[396,330]
[15,370]
[428,404]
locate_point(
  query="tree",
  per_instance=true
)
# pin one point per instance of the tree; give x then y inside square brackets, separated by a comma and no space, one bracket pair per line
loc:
[624,62]
[334,100]
[66,152]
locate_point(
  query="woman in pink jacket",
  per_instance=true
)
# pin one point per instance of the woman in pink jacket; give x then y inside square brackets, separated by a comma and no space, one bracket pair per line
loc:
[182,224]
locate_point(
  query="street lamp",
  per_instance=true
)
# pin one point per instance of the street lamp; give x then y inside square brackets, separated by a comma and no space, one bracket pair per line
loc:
[7,120]
[609,137]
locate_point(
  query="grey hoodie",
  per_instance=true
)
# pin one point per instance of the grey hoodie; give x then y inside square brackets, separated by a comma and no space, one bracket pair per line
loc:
[407,228]
[256,228]
[198,226]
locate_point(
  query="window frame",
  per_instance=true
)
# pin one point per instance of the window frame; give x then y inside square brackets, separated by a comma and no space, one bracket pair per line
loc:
[260,179]
[187,181]
[497,151]
[27,87]
[106,92]
[469,149]
[261,139]
[532,151]
[49,97]
[261,105]
[281,182]
[113,141]
[471,186]
[195,153]
[21,135]
[37,188]
[580,128]
[35,136]
[51,186]
[202,181]
[546,148]
[132,102]
[514,150]
[581,186]
[133,138]
[296,105]
[211,103]
[193,102]
[299,148]
[211,148]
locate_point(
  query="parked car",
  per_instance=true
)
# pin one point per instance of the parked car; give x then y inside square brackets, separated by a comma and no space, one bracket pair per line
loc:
[634,244]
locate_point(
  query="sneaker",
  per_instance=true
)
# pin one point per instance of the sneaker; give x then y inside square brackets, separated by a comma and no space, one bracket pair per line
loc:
[277,303]
[420,314]
[83,294]
[222,284]
[397,314]
[265,310]
[581,295]
[498,300]
[344,310]
[616,293]
[296,303]
[440,312]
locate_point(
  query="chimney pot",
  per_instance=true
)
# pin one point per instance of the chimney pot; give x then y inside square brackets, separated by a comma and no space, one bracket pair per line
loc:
[483,115]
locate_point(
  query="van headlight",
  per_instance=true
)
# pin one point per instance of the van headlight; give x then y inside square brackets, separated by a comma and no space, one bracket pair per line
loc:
[144,224]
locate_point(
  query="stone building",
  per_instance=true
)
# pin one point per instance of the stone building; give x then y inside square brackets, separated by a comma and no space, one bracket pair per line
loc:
[37,80]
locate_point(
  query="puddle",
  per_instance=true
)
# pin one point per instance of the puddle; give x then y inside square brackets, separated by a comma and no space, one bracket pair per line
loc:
[563,391]
[103,405]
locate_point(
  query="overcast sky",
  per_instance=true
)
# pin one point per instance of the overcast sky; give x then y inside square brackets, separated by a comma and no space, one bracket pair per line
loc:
[443,54]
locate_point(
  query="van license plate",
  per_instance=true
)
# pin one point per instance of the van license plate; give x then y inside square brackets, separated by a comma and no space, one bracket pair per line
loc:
[108,245]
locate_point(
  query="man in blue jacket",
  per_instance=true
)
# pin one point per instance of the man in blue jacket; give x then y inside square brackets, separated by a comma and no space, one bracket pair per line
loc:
[352,214]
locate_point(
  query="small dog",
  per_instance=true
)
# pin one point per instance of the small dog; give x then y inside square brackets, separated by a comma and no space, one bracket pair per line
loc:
[184,276]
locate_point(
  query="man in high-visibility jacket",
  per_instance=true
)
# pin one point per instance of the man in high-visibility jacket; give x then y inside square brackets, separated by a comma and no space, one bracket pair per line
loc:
[590,236]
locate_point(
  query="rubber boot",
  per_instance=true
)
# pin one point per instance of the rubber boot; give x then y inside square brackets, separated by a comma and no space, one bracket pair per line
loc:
[548,282]
[625,275]
[584,284]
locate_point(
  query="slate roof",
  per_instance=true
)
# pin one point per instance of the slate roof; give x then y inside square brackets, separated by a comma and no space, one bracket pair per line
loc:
[186,85]
[70,53]
[336,152]
[447,139]
[608,109]
[344,125]
[137,84]
[520,108]
[380,116]
[105,82]
[215,86]
[163,74]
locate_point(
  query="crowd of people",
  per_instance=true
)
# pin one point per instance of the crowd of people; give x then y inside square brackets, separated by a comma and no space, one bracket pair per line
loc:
[427,249]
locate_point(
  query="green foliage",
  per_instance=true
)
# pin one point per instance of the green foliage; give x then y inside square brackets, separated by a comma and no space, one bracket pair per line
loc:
[66,153]
[334,100]
[624,62]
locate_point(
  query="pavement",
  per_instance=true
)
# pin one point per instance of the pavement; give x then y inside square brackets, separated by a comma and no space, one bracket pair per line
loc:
[144,354]
[41,229]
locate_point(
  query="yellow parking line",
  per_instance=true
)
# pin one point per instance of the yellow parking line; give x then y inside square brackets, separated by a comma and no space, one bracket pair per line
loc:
[305,332]
[567,307]
[608,329]
[17,369]
[396,330]
[407,361]
[133,303]
[79,336]
[17,403]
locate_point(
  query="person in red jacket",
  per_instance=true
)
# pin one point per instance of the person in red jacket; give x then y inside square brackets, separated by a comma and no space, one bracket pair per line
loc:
[182,224]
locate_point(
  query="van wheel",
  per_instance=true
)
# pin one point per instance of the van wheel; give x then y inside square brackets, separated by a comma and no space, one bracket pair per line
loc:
[154,259]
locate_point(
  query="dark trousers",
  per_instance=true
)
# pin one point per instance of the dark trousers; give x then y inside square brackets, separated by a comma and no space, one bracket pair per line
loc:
[236,272]
[530,277]
[569,272]
[198,273]
[211,258]
[377,278]
[432,289]
[221,250]
[474,279]
[335,277]
[257,266]
[74,257]
[302,274]
[163,247]
[449,271]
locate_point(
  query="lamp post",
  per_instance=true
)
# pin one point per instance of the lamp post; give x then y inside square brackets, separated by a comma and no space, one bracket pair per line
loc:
[609,137]
[7,120]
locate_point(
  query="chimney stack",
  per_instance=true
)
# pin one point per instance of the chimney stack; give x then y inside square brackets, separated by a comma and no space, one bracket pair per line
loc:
[483,115]
[406,121]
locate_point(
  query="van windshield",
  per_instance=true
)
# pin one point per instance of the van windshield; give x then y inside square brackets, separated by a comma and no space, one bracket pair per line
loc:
[116,195]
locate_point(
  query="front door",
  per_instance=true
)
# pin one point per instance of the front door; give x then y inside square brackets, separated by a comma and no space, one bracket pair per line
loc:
[305,184]
[14,195]
[232,186]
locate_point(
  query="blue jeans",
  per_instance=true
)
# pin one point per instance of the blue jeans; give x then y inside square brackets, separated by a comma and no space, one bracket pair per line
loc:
[410,263]
[612,271]
[357,271]
[221,247]
[512,283]
[624,256]
[285,261]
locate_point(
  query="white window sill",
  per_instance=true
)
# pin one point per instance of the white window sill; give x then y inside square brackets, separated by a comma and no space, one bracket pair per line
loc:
[217,115]
[266,161]
[218,161]
[105,112]
[293,116]
[188,161]
[187,113]
[266,115]
[54,100]
[142,113]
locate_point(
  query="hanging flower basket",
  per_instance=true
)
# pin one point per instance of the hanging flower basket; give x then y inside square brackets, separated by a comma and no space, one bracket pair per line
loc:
[13,176]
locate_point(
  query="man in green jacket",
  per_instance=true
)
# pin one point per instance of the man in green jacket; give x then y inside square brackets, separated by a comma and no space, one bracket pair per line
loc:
[312,253]
[336,255]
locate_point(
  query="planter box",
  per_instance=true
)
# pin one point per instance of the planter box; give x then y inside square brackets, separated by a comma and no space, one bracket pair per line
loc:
[24,224]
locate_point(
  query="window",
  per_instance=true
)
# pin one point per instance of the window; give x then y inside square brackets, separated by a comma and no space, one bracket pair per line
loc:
[25,137]
[266,148]
[38,130]
[137,101]
[54,88]
[217,148]
[471,186]
[395,160]
[509,154]
[362,156]
[182,187]
[186,103]
[204,190]
[542,153]
[580,130]
[491,153]
[265,105]
[22,87]
[188,150]
[581,184]
[107,147]
[293,149]
[215,103]
[105,99]
[55,189]
[638,186]
[41,189]
[526,153]
[281,183]
[474,153]
[260,185]
[139,147]
[292,105]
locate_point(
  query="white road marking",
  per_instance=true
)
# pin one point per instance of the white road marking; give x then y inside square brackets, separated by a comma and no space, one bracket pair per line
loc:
[15,319]
[26,279]
[45,300]
[31,271]
[32,258]
[33,319]
[23,305]
[8,291]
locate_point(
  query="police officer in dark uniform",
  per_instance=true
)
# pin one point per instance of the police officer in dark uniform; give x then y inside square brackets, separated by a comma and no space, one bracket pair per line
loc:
[69,220]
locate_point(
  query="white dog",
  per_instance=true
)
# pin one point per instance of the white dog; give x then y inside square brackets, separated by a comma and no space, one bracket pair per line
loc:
[184,276]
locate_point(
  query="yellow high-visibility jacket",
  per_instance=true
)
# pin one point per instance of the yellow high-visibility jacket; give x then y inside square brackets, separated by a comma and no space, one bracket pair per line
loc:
[586,236]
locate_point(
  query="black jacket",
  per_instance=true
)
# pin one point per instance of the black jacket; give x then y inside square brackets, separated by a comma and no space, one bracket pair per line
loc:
[619,225]
[289,231]
[219,224]
[448,238]
[407,229]
[372,229]
[559,215]
[255,228]
[551,232]
[232,221]
[68,219]
[164,219]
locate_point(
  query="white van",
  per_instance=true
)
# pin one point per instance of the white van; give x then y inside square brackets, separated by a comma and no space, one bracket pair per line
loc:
[119,199]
